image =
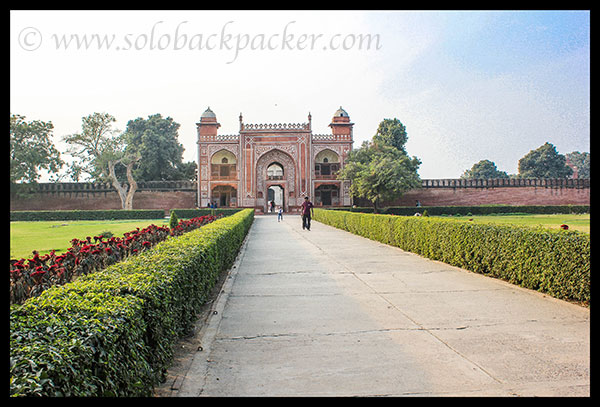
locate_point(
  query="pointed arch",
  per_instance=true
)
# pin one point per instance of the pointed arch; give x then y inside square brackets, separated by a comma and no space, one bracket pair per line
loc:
[223,165]
[288,181]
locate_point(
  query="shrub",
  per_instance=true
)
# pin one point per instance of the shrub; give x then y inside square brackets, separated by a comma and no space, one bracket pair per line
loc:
[111,333]
[192,213]
[556,262]
[173,220]
[475,210]
[107,234]
[87,215]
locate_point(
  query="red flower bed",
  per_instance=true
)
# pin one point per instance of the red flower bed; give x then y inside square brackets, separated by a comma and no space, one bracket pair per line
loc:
[187,225]
[28,278]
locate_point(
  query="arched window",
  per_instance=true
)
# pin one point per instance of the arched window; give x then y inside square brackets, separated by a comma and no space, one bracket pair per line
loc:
[223,166]
[275,171]
[327,164]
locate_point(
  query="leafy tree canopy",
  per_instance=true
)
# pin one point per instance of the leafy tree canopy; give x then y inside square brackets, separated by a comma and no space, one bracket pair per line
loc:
[94,147]
[581,161]
[392,133]
[544,162]
[31,149]
[484,169]
[382,170]
[155,140]
[98,150]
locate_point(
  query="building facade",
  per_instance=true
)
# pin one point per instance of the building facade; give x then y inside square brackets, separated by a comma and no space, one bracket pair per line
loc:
[273,162]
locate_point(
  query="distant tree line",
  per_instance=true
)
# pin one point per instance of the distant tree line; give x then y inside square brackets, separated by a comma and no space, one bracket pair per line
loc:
[148,150]
[543,162]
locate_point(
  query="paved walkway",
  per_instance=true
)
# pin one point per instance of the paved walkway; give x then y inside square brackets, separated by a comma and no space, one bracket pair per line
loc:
[328,313]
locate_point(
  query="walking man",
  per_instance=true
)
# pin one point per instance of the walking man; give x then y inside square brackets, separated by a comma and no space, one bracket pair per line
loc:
[307,208]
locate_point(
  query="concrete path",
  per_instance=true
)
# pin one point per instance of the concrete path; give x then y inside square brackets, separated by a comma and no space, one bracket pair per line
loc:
[328,313]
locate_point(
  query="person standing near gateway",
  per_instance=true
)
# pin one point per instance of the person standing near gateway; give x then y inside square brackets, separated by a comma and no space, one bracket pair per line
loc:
[307,208]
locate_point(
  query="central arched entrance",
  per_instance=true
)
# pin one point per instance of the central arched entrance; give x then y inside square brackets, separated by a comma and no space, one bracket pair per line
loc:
[276,194]
[276,174]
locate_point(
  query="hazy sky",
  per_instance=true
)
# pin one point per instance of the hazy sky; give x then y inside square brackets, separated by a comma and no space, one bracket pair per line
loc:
[468,86]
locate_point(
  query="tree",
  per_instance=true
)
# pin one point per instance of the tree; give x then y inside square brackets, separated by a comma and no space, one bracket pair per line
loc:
[173,220]
[392,133]
[382,170]
[581,161]
[544,162]
[91,148]
[31,149]
[156,140]
[484,169]
[99,150]
[187,170]
[125,192]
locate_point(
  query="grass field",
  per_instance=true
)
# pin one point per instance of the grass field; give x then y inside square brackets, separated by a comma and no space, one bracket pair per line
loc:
[575,222]
[45,236]
[56,235]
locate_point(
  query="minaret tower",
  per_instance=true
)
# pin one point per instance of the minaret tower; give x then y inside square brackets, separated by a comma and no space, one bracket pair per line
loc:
[341,127]
[207,128]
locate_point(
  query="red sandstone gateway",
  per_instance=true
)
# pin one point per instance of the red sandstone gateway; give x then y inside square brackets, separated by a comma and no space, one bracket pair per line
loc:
[273,162]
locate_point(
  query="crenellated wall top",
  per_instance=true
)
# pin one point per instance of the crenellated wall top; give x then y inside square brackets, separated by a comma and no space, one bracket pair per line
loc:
[51,187]
[258,127]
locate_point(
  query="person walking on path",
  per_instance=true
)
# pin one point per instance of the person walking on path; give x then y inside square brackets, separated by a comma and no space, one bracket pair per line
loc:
[307,208]
[280,214]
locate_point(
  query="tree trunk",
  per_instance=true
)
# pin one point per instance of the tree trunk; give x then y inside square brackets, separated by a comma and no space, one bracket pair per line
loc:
[132,186]
[125,194]
[375,209]
[115,182]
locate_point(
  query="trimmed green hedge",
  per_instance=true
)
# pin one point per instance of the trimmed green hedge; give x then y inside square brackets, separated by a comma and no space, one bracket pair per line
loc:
[553,262]
[87,215]
[193,213]
[473,210]
[111,333]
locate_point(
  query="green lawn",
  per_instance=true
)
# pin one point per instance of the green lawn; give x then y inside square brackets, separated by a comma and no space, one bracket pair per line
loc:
[575,222]
[45,236]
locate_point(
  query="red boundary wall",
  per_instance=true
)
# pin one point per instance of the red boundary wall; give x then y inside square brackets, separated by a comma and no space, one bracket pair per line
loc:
[459,192]
[182,194]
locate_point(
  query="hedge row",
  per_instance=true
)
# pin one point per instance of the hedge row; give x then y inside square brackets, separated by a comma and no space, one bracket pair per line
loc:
[193,213]
[474,210]
[116,214]
[87,214]
[111,333]
[553,262]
